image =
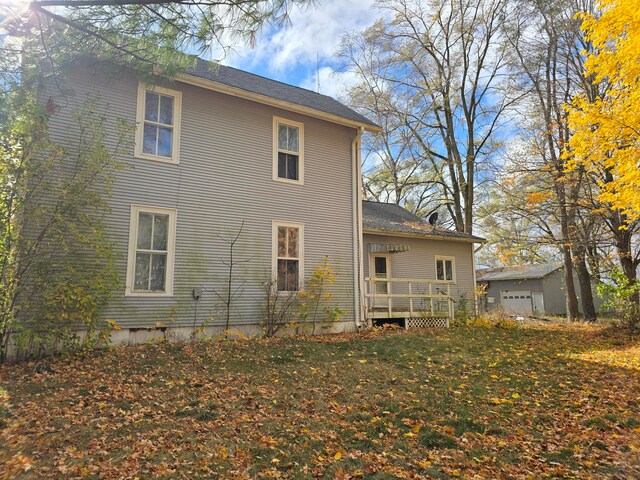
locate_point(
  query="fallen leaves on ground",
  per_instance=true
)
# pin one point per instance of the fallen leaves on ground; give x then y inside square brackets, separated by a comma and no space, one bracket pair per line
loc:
[537,402]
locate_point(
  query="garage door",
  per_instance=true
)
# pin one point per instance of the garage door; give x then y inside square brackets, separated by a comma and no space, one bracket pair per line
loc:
[516,301]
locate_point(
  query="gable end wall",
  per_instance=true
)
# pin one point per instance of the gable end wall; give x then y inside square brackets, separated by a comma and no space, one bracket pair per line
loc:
[224,177]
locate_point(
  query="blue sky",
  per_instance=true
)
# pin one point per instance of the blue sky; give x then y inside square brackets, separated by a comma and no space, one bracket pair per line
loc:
[288,54]
[294,53]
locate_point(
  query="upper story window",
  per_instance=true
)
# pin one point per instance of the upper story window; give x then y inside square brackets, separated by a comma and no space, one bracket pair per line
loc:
[288,151]
[445,269]
[151,251]
[158,124]
[288,255]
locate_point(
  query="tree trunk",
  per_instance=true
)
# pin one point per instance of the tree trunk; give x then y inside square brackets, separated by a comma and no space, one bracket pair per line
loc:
[579,247]
[570,289]
[563,216]
[628,266]
[584,280]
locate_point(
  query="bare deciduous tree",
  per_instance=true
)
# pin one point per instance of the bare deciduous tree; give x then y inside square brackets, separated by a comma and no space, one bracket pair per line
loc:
[432,76]
[230,293]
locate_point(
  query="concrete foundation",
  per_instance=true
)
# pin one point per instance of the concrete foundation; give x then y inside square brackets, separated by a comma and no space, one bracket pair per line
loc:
[134,336]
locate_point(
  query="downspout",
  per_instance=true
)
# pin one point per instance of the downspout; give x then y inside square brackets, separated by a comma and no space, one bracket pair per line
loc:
[475,285]
[358,293]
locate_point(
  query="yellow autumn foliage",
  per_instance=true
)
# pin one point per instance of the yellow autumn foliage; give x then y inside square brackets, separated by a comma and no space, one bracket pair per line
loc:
[607,129]
[537,198]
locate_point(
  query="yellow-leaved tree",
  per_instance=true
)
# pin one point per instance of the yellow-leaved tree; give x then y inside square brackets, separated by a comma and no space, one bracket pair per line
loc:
[606,127]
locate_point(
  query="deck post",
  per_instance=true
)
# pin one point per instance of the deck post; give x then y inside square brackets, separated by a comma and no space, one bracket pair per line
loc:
[450,302]
[431,298]
[410,301]
[372,293]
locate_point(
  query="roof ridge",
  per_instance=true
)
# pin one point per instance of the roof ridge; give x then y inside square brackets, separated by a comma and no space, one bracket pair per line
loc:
[383,203]
[530,265]
[265,78]
[268,88]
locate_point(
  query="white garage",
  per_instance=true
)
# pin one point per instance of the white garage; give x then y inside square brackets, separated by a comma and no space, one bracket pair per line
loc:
[517,301]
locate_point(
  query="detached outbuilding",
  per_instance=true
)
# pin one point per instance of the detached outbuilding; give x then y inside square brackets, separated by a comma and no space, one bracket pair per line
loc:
[527,289]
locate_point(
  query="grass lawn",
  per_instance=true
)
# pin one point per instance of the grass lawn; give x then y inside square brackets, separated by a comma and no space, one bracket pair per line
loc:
[534,402]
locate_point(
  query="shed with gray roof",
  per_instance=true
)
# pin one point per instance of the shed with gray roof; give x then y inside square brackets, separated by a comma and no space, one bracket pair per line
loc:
[537,289]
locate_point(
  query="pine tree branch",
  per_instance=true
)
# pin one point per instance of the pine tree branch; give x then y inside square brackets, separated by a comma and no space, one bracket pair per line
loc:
[88,31]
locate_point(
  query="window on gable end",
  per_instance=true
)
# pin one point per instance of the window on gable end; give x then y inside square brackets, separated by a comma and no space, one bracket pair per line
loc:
[158,124]
[288,256]
[151,251]
[288,147]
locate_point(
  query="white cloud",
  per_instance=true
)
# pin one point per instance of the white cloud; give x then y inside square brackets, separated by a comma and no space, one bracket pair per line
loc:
[318,30]
[332,83]
[313,31]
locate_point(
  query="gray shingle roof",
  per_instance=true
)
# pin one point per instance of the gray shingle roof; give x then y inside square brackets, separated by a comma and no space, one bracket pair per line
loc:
[518,272]
[250,82]
[388,217]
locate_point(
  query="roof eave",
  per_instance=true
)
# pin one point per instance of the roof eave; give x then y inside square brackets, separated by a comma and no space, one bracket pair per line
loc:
[509,279]
[273,102]
[531,277]
[430,236]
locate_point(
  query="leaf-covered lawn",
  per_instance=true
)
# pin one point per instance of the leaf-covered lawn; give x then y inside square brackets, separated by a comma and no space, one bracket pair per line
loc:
[560,402]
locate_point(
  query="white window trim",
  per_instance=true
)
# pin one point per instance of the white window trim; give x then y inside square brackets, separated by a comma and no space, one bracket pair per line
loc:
[453,267]
[177,115]
[274,256]
[133,240]
[300,126]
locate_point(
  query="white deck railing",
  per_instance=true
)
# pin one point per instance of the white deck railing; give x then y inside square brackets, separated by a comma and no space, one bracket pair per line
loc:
[422,297]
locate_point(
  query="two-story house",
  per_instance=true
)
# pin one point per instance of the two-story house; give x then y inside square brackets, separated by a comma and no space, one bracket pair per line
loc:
[219,150]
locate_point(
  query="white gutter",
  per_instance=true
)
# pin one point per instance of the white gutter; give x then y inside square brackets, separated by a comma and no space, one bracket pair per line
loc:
[358,272]
[273,102]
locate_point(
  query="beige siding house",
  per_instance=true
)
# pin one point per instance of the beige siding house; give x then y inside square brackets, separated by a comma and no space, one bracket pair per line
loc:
[218,149]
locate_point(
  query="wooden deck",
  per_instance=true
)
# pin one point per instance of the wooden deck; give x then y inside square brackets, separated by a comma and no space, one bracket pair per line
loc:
[422,302]
[401,312]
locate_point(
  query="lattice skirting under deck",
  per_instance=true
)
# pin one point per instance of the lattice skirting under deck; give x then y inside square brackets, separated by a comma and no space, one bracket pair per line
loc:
[426,322]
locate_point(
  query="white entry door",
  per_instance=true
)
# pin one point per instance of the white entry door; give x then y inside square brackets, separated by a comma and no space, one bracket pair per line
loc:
[380,269]
[516,301]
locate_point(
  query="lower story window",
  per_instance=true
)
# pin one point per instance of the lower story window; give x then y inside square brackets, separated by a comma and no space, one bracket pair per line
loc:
[288,256]
[288,274]
[151,251]
[445,269]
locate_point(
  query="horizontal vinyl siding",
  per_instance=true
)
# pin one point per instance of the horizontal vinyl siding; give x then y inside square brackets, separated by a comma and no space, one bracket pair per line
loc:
[555,293]
[225,177]
[420,262]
